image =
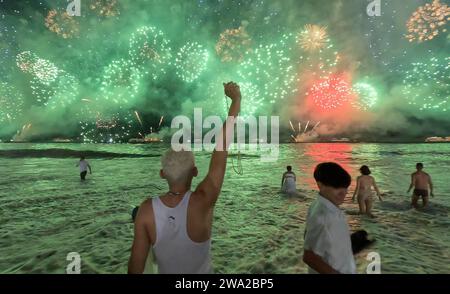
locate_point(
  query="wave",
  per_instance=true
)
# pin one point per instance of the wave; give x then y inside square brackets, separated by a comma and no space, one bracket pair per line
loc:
[403,153]
[67,153]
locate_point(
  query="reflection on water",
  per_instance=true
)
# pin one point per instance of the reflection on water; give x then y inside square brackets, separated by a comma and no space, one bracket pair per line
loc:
[46,212]
[318,153]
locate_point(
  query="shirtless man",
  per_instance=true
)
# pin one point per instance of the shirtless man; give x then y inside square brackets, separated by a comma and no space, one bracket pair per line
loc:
[422,184]
[363,190]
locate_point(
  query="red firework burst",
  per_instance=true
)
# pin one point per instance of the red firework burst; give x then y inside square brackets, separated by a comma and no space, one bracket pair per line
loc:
[331,92]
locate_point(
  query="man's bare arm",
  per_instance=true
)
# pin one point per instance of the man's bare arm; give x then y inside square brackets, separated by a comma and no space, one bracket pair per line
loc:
[141,242]
[316,263]
[210,187]
[377,190]
[282,179]
[412,183]
[356,189]
[431,186]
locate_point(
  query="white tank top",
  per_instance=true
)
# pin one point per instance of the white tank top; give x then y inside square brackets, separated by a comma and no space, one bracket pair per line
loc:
[174,251]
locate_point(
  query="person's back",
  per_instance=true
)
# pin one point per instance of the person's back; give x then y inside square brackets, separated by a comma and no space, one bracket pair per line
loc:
[421,180]
[84,166]
[422,184]
[366,183]
[177,234]
[363,191]
[177,225]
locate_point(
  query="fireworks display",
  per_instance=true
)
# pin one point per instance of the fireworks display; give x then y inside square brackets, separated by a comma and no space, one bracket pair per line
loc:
[120,82]
[272,69]
[427,85]
[367,96]
[304,135]
[11,103]
[25,61]
[191,60]
[233,44]
[49,85]
[58,94]
[43,70]
[331,93]
[322,64]
[150,50]
[99,126]
[120,65]
[41,93]
[254,100]
[8,41]
[313,37]
[62,24]
[107,128]
[428,21]
[66,91]
[106,8]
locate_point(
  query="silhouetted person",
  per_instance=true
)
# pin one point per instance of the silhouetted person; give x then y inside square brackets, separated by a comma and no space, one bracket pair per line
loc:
[84,165]
[328,247]
[177,226]
[423,186]
[363,190]
[288,182]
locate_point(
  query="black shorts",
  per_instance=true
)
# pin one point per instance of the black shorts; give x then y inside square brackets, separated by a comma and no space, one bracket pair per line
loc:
[421,193]
[83,175]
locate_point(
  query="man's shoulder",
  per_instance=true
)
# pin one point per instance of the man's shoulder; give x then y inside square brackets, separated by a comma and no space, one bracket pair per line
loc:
[199,200]
[146,208]
[319,215]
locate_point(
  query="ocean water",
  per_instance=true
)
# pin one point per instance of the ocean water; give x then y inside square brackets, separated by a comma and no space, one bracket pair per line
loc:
[46,212]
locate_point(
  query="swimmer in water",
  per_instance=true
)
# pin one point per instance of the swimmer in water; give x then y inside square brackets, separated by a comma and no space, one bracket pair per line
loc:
[84,165]
[423,186]
[288,182]
[363,191]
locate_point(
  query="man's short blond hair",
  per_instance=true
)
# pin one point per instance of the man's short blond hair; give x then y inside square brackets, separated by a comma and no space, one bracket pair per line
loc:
[177,165]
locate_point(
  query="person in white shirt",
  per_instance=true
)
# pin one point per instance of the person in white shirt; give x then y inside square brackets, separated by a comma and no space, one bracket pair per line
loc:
[288,182]
[328,247]
[84,165]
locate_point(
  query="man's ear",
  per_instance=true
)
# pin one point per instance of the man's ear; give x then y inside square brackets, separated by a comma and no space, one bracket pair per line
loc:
[319,185]
[161,174]
[195,171]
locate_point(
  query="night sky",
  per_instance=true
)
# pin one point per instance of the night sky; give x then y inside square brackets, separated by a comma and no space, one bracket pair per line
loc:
[113,72]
